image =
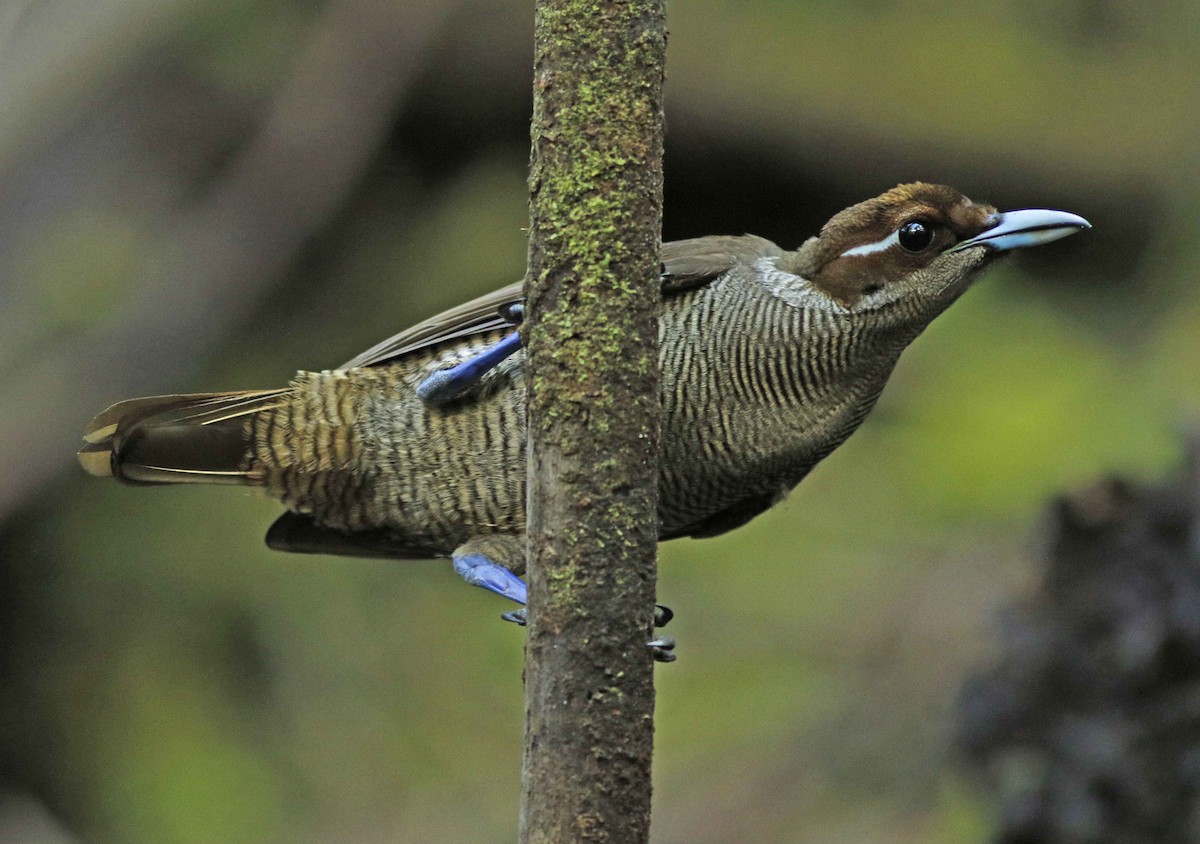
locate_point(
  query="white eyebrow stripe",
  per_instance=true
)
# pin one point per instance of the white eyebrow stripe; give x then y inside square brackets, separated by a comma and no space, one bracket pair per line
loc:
[870,248]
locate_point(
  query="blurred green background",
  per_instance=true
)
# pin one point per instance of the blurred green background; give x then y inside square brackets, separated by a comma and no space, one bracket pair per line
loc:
[209,195]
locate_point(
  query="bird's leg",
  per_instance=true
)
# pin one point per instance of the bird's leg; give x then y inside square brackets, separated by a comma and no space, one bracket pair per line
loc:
[448,384]
[489,562]
[480,570]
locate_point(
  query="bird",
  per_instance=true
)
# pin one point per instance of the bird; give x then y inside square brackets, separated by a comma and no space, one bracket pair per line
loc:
[416,448]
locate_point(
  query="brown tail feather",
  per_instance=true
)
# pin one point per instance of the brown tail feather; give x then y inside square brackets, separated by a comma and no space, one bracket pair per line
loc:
[198,438]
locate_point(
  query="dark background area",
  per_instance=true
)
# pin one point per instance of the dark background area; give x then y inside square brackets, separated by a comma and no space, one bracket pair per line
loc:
[210,195]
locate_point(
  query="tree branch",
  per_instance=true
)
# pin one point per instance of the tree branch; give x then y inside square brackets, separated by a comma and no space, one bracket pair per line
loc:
[592,325]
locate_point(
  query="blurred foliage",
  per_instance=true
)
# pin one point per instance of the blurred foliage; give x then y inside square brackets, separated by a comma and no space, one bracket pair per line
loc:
[167,679]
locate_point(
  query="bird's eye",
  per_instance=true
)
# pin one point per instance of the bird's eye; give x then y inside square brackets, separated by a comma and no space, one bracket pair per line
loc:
[915,236]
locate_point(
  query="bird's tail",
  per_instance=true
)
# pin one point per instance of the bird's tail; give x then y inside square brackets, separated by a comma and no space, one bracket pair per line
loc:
[199,438]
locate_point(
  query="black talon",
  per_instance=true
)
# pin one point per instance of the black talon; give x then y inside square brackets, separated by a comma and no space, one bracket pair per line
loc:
[516,616]
[513,313]
[661,649]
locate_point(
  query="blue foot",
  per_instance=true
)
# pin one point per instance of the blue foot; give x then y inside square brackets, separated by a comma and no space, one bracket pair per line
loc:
[478,570]
[448,384]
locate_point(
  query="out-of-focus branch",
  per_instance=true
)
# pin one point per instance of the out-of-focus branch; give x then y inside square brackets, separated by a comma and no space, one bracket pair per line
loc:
[1086,724]
[53,54]
[223,255]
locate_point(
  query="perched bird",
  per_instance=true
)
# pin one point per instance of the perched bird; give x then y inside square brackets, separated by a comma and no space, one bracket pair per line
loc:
[416,448]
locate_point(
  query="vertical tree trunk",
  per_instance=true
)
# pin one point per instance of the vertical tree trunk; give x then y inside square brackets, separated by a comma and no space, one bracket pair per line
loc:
[592,294]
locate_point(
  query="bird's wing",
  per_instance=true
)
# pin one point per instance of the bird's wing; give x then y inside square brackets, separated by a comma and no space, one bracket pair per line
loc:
[478,316]
[687,264]
[300,534]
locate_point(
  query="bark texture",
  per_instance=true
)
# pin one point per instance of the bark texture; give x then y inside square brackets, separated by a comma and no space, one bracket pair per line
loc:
[592,297]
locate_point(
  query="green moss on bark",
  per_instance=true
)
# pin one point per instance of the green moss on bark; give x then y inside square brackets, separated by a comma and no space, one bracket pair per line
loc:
[592,301]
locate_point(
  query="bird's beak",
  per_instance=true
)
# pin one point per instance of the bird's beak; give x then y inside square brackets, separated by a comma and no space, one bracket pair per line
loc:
[1030,227]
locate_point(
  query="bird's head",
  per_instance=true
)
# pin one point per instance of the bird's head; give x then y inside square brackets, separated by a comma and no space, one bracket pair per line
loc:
[917,243]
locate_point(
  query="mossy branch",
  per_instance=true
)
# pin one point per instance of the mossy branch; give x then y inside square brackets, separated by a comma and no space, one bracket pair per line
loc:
[592,294]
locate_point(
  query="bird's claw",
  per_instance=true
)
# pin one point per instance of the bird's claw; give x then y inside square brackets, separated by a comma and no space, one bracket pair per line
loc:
[662,649]
[662,616]
[515,616]
[513,313]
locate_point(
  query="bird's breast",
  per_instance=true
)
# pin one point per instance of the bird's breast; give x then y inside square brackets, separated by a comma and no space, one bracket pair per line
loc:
[755,392]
